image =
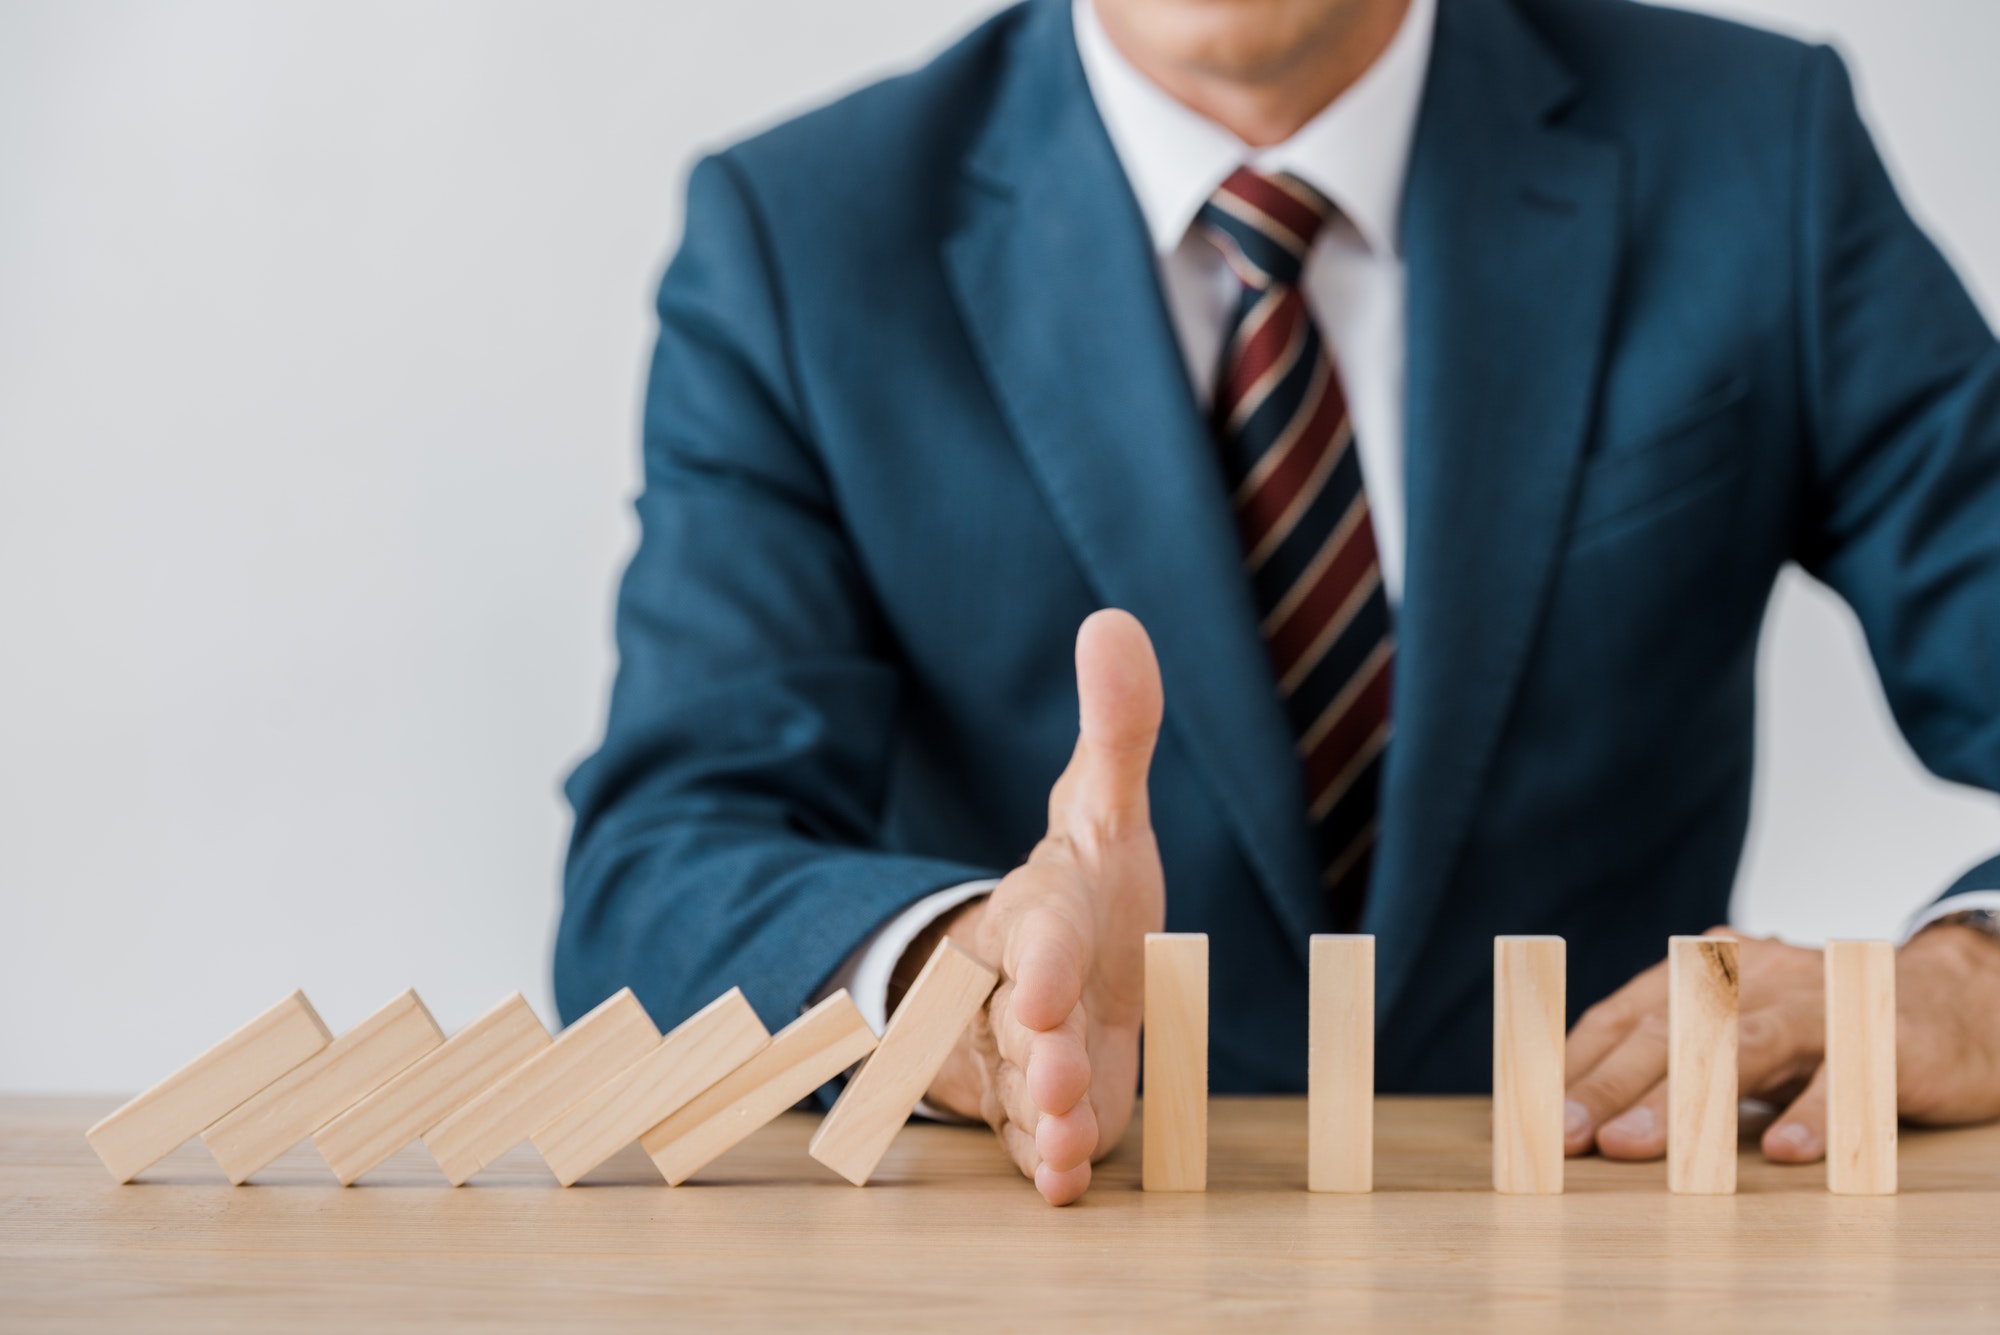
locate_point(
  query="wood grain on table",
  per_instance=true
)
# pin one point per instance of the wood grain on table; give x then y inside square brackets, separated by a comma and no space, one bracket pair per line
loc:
[949,1234]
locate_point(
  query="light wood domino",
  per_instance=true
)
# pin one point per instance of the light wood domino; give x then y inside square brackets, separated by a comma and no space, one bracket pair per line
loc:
[1340,1065]
[148,1128]
[616,1033]
[806,1053]
[1174,1116]
[1529,983]
[1701,1065]
[1861,1068]
[702,1049]
[430,1088]
[943,1000]
[322,1087]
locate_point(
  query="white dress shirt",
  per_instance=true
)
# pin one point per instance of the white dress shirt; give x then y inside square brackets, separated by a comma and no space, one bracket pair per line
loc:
[1356,152]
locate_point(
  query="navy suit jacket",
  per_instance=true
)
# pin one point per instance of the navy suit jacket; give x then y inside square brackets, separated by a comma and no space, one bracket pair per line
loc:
[917,410]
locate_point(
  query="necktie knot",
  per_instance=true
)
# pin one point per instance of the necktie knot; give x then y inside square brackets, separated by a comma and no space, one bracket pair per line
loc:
[1265,225]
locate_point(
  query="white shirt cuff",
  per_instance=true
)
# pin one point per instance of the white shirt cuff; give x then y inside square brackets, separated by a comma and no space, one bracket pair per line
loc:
[1944,908]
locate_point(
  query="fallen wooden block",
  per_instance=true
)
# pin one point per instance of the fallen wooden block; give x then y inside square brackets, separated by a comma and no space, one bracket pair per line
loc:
[1174,1116]
[702,1049]
[807,1053]
[1701,1065]
[1861,1068]
[426,1091]
[598,1046]
[1340,1065]
[186,1103]
[1528,1035]
[946,995]
[322,1087]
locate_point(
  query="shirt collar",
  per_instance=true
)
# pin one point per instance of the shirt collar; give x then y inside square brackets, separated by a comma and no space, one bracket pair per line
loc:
[1356,152]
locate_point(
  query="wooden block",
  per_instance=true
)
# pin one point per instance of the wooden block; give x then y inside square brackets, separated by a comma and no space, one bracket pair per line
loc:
[1174,1118]
[1529,975]
[322,1087]
[702,1049]
[429,1089]
[1861,1068]
[585,1055]
[1701,1065]
[807,1053]
[947,994]
[1340,1065]
[186,1103]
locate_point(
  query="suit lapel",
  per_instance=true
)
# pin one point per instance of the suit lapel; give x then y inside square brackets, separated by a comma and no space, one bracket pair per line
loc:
[1058,288]
[1511,234]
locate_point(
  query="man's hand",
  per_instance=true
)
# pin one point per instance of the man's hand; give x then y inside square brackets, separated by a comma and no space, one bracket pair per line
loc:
[1052,1063]
[1947,1046]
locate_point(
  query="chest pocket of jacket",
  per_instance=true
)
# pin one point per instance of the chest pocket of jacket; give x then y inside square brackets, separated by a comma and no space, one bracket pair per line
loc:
[1628,486]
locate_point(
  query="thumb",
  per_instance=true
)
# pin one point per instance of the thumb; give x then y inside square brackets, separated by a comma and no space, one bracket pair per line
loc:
[1119,708]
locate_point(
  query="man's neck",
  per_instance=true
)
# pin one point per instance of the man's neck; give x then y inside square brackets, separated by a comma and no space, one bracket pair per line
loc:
[1265,104]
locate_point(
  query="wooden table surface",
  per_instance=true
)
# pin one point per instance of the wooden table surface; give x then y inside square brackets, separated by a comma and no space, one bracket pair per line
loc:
[950,1236]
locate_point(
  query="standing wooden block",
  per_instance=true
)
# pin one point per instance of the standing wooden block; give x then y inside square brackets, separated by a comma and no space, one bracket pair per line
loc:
[702,1049]
[1701,1065]
[585,1055]
[1861,1068]
[322,1087]
[807,1053]
[186,1103]
[1529,975]
[430,1088]
[1340,1065]
[879,1099]
[1174,1120]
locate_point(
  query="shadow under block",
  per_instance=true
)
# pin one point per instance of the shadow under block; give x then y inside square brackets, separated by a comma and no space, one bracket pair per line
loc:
[1861,1068]
[322,1087]
[1340,1065]
[186,1103]
[598,1046]
[702,1049]
[1702,985]
[807,1053]
[1174,1117]
[1529,978]
[943,1000]
[429,1089]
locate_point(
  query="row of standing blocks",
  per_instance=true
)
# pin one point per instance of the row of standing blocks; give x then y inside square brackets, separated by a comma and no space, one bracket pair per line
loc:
[1529,1079]
[689,1096]
[1529,1076]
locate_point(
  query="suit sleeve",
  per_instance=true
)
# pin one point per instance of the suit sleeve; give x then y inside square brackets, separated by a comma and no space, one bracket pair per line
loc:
[1901,391]
[728,830]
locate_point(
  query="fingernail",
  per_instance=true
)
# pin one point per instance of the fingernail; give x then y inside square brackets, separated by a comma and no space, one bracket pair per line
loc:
[1576,1119]
[1636,1123]
[1797,1135]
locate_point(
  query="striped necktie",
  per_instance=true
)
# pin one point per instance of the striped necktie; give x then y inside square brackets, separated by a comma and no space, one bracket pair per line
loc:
[1281,423]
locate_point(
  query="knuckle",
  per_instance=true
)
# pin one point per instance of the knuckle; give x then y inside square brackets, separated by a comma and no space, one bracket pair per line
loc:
[1599,1093]
[1606,1014]
[1758,1029]
[1652,1027]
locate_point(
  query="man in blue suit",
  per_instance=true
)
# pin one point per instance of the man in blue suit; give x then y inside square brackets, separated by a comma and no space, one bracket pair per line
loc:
[1499,352]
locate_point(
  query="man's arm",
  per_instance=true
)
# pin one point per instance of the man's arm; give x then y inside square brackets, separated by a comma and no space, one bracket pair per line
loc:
[727,830]
[1901,388]
[1900,391]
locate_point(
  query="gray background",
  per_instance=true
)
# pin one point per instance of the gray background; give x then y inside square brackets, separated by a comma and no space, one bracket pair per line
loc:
[321,332]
